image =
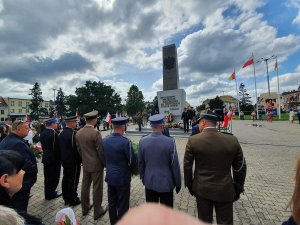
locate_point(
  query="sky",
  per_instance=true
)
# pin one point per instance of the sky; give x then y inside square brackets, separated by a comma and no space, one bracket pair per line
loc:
[63,44]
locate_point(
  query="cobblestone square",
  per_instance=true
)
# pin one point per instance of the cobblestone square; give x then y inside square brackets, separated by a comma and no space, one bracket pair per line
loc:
[270,152]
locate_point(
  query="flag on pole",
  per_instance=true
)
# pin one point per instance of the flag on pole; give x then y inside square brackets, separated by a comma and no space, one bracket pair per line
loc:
[108,118]
[248,63]
[276,66]
[232,76]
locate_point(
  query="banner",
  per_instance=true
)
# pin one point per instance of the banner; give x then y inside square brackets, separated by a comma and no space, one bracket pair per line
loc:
[271,106]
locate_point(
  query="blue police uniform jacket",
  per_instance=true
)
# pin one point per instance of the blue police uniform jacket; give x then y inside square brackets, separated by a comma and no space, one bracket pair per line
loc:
[120,159]
[158,163]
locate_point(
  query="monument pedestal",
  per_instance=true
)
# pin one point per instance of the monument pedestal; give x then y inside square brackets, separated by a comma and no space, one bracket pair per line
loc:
[172,101]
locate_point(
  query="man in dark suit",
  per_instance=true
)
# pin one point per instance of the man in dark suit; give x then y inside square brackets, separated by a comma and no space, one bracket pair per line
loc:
[71,162]
[120,159]
[89,146]
[215,154]
[15,142]
[185,118]
[158,164]
[51,158]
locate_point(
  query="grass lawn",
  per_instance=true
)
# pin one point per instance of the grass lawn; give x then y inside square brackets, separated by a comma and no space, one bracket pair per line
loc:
[284,117]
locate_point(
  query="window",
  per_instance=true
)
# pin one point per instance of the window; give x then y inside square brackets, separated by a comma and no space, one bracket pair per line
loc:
[12,103]
[12,111]
[20,110]
[2,112]
[46,105]
[27,103]
[20,104]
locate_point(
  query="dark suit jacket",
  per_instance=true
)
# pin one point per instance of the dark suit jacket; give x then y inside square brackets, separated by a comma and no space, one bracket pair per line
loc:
[89,146]
[215,154]
[68,149]
[18,144]
[49,141]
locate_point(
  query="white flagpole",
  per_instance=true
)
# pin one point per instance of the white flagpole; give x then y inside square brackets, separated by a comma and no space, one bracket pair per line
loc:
[278,110]
[237,93]
[255,85]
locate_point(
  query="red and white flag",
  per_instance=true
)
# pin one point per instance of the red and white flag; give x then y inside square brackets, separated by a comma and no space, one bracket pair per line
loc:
[108,118]
[248,63]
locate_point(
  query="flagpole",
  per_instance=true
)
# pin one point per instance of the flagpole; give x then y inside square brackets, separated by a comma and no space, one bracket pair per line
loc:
[276,68]
[237,94]
[255,85]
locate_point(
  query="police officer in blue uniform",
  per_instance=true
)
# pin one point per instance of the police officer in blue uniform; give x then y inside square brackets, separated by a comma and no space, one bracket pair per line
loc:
[51,158]
[71,162]
[158,164]
[120,160]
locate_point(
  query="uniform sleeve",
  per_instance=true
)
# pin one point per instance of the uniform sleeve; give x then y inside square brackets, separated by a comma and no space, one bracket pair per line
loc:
[175,166]
[132,161]
[188,165]
[141,163]
[78,145]
[99,148]
[239,169]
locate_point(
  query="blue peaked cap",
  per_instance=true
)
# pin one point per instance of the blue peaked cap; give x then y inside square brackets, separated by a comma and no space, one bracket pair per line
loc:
[119,121]
[157,119]
[48,122]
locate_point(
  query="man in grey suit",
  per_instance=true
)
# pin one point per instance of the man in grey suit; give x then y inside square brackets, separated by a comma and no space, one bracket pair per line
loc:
[89,145]
[215,155]
[158,164]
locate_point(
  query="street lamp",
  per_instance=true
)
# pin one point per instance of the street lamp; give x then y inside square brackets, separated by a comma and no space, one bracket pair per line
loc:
[266,61]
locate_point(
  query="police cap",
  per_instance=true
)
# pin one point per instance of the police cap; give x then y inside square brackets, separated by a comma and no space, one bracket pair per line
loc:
[49,121]
[118,121]
[157,119]
[71,118]
[91,115]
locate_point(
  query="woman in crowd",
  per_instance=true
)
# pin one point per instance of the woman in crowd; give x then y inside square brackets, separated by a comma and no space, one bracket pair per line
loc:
[11,178]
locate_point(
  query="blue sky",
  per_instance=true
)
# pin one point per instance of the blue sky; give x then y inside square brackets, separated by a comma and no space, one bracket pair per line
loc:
[62,44]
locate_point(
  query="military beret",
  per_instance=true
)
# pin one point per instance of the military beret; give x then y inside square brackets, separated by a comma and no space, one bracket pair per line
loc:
[208,114]
[119,121]
[157,119]
[49,121]
[91,115]
[71,118]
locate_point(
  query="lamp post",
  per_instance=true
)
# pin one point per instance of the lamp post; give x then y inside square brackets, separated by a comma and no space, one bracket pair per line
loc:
[266,61]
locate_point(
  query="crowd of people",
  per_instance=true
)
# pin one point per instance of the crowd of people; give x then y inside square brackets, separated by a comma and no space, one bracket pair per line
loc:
[214,173]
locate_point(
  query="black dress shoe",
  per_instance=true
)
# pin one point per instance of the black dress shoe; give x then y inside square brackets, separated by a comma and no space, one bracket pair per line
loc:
[85,213]
[56,195]
[75,202]
[101,214]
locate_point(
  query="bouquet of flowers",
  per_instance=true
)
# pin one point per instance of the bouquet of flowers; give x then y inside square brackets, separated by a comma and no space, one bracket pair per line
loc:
[135,146]
[37,151]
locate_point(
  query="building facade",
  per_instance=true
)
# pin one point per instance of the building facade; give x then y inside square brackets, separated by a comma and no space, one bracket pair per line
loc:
[291,99]
[18,108]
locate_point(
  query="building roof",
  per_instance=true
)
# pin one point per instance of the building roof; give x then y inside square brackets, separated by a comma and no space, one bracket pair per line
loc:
[264,96]
[2,102]
[228,98]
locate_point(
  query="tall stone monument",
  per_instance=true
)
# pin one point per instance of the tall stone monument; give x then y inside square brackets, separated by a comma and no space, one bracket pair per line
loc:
[171,99]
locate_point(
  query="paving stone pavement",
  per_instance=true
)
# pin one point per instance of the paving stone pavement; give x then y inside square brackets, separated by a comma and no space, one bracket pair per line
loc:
[270,152]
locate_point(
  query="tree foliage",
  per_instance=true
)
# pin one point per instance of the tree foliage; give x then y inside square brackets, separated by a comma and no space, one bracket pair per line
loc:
[153,106]
[215,103]
[201,107]
[60,103]
[36,101]
[94,96]
[245,99]
[135,101]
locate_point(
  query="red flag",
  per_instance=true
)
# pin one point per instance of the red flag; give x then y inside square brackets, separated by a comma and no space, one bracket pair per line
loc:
[276,66]
[248,63]
[108,118]
[232,76]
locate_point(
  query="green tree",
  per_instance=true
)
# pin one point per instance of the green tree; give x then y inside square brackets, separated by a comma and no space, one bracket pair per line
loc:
[94,96]
[36,101]
[200,107]
[245,99]
[215,103]
[60,103]
[152,106]
[135,101]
